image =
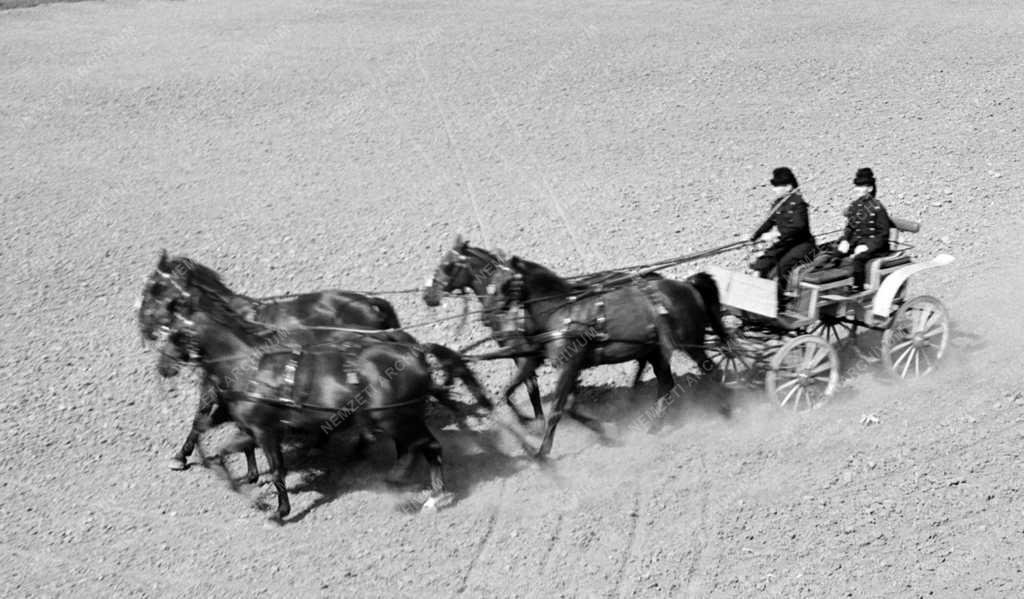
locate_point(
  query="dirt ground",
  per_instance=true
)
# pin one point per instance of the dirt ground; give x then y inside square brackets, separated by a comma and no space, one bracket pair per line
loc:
[308,144]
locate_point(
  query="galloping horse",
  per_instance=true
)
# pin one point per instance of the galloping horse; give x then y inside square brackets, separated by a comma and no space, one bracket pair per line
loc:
[316,388]
[640,320]
[466,267]
[176,279]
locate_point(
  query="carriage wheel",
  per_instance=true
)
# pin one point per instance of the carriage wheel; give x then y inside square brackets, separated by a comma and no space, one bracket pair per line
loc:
[916,340]
[833,330]
[803,373]
[735,361]
[734,364]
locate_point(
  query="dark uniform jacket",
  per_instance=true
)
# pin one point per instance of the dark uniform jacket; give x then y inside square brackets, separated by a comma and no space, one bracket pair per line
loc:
[867,223]
[790,218]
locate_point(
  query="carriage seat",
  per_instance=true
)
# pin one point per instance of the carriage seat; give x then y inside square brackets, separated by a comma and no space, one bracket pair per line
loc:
[845,268]
[876,267]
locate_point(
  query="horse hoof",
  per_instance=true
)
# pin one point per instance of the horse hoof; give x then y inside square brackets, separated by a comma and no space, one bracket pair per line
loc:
[655,428]
[273,522]
[610,442]
[436,502]
[177,463]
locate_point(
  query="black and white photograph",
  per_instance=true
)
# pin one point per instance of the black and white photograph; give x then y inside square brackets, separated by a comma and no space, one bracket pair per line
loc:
[495,298]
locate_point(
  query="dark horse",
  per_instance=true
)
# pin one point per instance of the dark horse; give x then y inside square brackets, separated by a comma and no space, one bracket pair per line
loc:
[316,388]
[640,320]
[181,278]
[174,277]
[466,267]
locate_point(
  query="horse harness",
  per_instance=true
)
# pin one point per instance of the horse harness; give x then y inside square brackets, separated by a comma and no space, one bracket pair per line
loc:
[281,389]
[595,321]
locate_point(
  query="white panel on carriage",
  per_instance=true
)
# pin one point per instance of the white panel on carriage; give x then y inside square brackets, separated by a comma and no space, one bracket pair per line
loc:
[746,292]
[881,305]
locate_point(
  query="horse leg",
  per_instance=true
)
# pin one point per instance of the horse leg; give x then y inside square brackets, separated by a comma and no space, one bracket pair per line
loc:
[455,366]
[430,449]
[270,443]
[242,442]
[201,421]
[566,383]
[533,390]
[527,369]
[640,365]
[403,465]
[666,382]
[708,380]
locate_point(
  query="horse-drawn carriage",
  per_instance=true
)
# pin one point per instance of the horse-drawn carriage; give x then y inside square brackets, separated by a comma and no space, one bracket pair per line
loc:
[794,353]
[574,323]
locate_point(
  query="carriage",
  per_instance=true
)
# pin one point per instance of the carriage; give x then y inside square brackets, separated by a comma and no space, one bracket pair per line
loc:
[795,353]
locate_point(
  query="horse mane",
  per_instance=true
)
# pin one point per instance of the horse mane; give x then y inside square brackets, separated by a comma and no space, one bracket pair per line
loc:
[539,278]
[200,276]
[220,311]
[485,255]
[216,298]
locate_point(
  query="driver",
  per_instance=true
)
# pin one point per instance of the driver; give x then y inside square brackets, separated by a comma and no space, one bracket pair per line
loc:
[795,244]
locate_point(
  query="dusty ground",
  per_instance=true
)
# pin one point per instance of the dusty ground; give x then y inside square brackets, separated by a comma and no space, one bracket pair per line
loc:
[299,145]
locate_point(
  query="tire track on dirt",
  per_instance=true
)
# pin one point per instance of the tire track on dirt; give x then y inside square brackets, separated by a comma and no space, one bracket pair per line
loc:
[694,587]
[634,516]
[481,546]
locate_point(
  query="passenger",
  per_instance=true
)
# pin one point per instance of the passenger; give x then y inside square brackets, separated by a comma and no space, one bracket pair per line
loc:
[795,243]
[866,235]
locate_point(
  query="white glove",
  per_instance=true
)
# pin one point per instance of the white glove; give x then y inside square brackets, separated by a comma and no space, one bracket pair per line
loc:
[843,247]
[860,248]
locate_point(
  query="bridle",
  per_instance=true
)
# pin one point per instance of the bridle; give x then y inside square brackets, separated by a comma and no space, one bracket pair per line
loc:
[461,264]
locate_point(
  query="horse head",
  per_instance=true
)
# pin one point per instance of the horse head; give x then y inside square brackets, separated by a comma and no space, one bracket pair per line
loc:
[180,346]
[164,286]
[462,267]
[175,279]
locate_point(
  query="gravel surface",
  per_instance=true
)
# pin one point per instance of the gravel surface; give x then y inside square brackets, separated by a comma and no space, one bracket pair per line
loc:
[309,144]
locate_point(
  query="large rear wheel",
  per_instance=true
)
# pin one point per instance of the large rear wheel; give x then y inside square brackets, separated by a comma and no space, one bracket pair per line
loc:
[916,339]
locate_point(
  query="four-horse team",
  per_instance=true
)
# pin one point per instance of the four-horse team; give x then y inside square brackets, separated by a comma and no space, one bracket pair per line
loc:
[318,362]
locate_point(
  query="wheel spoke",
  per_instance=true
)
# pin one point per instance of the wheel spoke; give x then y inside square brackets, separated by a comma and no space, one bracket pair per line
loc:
[933,331]
[822,379]
[917,364]
[919,317]
[822,368]
[788,383]
[800,396]
[789,395]
[901,345]
[906,367]
[933,317]
[901,357]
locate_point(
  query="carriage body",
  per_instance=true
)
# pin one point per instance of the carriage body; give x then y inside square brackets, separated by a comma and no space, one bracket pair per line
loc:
[796,353]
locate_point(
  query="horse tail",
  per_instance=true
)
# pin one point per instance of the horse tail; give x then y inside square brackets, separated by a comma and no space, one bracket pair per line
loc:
[387,310]
[454,366]
[708,290]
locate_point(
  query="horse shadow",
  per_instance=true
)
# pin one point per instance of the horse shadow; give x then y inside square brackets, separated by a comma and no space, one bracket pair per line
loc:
[633,408]
[472,457]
